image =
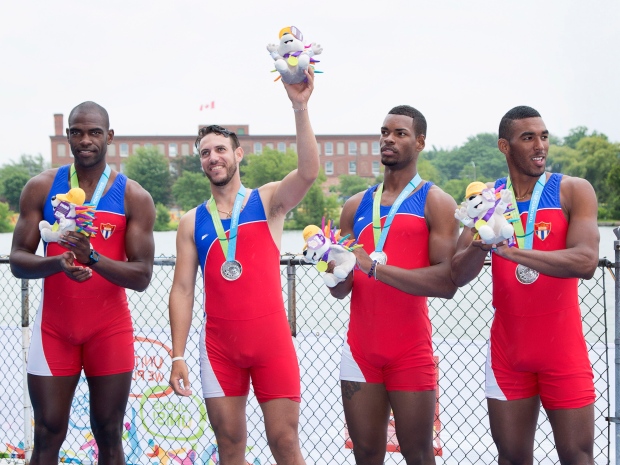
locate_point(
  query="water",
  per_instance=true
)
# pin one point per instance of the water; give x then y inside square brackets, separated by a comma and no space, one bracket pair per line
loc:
[292,242]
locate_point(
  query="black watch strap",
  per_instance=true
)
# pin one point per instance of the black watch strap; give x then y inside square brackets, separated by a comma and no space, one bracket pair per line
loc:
[93,258]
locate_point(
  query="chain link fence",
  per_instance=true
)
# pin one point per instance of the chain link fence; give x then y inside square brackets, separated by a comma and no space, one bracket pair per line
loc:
[161,427]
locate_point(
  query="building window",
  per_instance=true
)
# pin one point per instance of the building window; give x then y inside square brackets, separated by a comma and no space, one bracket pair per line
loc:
[112,166]
[293,146]
[375,148]
[329,167]
[318,146]
[134,148]
[281,146]
[352,167]
[172,149]
[352,148]
[363,148]
[241,132]
[148,145]
[269,145]
[185,149]
[112,150]
[375,168]
[124,152]
[258,148]
[161,148]
[329,148]
[339,148]
[122,167]
[62,150]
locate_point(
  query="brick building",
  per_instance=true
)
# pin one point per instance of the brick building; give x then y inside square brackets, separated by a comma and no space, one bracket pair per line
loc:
[339,154]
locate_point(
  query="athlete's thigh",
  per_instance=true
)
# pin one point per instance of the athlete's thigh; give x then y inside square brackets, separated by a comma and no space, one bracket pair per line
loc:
[51,398]
[275,368]
[110,351]
[513,426]
[414,416]
[108,397]
[227,416]
[367,412]
[573,431]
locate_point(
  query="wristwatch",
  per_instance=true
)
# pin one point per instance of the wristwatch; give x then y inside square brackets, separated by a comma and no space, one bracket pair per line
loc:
[92,258]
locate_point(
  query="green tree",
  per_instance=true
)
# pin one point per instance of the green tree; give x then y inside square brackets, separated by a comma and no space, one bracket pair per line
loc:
[162,218]
[5,218]
[191,189]
[349,184]
[313,207]
[149,168]
[188,163]
[12,181]
[269,166]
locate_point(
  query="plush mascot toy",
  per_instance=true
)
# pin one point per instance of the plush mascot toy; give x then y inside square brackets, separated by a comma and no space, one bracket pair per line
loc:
[485,209]
[71,215]
[326,245]
[291,57]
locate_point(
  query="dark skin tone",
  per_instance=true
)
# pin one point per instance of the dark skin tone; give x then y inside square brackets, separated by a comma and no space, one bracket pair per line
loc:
[513,423]
[51,396]
[367,405]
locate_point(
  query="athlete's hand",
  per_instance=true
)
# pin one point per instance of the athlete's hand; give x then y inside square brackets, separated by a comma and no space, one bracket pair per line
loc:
[364,262]
[72,271]
[77,243]
[179,379]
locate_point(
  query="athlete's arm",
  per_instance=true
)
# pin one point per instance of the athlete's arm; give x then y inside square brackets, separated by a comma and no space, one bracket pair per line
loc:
[181,303]
[434,280]
[347,219]
[580,258]
[469,257]
[25,264]
[283,196]
[135,273]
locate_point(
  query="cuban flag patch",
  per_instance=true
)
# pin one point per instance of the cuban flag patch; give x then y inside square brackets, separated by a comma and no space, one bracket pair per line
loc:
[106,230]
[542,230]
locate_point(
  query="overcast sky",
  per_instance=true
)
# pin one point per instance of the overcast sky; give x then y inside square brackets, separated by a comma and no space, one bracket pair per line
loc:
[461,63]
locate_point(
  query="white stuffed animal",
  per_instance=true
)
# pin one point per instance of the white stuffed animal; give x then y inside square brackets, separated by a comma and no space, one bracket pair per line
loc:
[321,249]
[70,215]
[484,208]
[291,57]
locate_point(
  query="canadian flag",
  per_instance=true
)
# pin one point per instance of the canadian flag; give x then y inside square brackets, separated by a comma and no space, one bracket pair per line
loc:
[207,106]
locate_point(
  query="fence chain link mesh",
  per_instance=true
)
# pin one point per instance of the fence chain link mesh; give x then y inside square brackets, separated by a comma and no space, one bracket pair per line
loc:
[161,427]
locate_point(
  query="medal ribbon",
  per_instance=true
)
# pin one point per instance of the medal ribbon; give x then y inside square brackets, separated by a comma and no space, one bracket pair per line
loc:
[229,246]
[526,239]
[103,180]
[381,234]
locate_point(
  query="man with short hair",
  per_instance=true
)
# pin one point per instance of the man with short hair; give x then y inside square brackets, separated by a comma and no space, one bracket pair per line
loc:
[537,352]
[84,321]
[387,359]
[235,238]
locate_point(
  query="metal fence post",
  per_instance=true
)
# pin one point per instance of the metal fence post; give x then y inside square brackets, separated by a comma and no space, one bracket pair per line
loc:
[25,346]
[617,340]
[291,280]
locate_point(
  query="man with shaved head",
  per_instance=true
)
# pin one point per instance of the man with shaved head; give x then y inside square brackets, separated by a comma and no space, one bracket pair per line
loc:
[83,321]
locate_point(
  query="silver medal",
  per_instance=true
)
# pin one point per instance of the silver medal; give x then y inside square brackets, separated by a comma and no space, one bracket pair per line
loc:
[526,275]
[231,270]
[379,257]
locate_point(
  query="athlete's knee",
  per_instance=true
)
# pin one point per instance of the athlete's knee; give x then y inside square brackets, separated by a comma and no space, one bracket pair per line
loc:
[49,435]
[108,435]
[369,453]
[576,456]
[285,443]
[418,454]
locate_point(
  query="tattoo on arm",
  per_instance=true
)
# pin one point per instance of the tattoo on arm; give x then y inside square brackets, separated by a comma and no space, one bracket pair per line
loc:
[349,388]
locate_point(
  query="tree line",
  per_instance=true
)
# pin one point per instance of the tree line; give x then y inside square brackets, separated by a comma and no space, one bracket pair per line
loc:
[180,184]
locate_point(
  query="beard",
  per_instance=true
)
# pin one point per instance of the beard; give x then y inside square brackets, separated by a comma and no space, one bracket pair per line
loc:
[230,173]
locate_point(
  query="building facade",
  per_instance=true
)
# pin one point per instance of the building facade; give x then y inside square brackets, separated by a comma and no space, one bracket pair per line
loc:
[357,154]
